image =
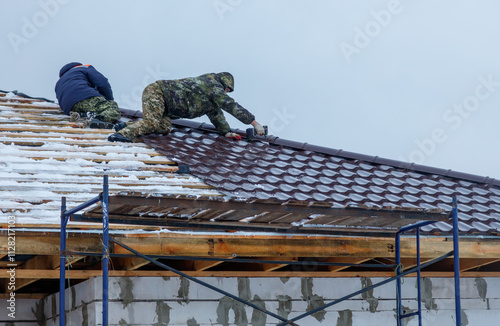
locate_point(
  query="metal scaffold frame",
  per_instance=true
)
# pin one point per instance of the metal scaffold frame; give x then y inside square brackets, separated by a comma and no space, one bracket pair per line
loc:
[65,215]
[104,199]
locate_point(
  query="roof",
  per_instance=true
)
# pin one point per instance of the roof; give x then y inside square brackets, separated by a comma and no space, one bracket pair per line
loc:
[280,186]
[275,168]
[46,156]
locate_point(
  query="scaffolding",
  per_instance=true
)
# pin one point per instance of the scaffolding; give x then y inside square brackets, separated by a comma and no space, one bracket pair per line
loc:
[103,198]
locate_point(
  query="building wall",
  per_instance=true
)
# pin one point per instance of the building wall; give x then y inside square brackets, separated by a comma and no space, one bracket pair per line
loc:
[178,301]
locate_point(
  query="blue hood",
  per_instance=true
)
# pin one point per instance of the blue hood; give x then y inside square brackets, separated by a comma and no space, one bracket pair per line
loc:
[67,67]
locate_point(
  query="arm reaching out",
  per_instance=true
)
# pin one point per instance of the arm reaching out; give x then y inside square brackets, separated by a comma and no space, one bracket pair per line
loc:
[259,130]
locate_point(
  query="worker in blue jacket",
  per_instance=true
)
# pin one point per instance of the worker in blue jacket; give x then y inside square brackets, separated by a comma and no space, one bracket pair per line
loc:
[83,91]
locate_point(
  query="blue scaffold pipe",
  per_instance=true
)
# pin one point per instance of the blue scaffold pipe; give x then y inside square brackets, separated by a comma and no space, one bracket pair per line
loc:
[398,280]
[62,269]
[399,312]
[105,250]
[82,206]
[419,287]
[191,278]
[65,215]
[456,263]
[414,226]
[402,274]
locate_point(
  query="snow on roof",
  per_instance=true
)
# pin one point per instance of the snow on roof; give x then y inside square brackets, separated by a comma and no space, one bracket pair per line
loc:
[45,156]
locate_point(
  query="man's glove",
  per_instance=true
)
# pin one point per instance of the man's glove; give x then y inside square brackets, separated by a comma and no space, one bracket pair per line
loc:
[259,130]
[233,136]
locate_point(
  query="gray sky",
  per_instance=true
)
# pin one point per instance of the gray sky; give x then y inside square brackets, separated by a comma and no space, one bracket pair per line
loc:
[416,81]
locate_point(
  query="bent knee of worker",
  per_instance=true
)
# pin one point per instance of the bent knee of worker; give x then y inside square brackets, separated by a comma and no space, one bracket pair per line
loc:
[152,92]
[86,105]
[157,126]
[108,111]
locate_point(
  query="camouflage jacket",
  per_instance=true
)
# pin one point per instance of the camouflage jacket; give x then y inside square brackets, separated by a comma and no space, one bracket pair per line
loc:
[196,96]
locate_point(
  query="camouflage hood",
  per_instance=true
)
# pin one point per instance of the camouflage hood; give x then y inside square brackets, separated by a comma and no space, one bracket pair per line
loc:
[226,80]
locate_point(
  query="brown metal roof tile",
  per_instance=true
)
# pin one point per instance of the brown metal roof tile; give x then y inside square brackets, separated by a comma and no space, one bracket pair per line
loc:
[361,181]
[379,181]
[287,170]
[480,207]
[495,225]
[482,217]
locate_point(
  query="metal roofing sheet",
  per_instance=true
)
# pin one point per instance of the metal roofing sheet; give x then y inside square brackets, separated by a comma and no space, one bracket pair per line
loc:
[272,168]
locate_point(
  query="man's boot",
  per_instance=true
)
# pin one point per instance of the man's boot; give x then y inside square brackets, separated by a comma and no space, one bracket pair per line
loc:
[120,125]
[119,137]
[98,124]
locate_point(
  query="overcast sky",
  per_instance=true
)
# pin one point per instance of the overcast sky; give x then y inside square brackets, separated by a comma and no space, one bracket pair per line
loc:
[416,81]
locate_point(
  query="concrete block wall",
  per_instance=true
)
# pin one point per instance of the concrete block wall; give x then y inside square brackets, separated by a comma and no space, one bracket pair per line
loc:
[178,301]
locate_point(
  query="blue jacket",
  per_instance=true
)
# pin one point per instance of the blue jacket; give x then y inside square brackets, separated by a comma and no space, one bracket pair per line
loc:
[78,82]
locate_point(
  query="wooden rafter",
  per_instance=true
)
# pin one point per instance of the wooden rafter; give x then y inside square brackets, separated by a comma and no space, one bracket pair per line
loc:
[269,267]
[128,263]
[475,263]
[345,260]
[41,262]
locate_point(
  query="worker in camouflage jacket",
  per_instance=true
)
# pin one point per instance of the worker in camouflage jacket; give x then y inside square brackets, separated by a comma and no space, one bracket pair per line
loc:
[186,98]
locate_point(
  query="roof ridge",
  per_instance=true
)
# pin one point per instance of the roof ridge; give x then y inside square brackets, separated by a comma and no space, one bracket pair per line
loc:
[274,140]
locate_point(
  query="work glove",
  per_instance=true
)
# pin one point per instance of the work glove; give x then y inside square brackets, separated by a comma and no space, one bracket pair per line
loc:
[259,130]
[233,136]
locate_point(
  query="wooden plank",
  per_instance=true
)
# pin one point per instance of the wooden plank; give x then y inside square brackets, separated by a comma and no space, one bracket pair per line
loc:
[97,182]
[267,217]
[36,263]
[44,124]
[129,263]
[313,246]
[202,265]
[246,245]
[91,157]
[22,110]
[33,106]
[104,149]
[68,188]
[344,260]
[151,167]
[82,141]
[20,100]
[269,267]
[33,117]
[474,263]
[65,130]
[86,274]
[466,264]
[139,174]
[55,227]
[61,136]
